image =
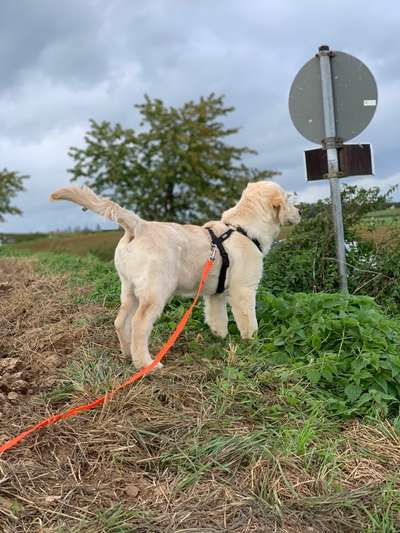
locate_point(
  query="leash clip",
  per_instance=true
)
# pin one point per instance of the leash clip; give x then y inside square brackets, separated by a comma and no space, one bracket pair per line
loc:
[213,252]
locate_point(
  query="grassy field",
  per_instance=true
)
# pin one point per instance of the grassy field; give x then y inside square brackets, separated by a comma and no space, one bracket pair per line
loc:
[99,243]
[102,243]
[377,226]
[385,216]
[231,436]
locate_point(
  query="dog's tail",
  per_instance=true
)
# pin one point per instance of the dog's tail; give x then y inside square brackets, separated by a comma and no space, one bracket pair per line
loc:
[103,206]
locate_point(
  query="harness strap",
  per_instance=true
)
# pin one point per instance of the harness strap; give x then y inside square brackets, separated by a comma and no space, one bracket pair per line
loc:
[217,241]
[256,241]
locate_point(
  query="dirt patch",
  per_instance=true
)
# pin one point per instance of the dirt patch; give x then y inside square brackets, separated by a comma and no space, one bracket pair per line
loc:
[40,329]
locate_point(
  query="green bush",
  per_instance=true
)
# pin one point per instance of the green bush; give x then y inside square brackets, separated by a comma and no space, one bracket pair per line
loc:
[306,261]
[343,346]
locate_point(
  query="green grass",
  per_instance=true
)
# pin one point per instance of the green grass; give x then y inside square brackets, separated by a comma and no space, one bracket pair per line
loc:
[277,406]
[382,515]
[385,217]
[95,373]
[342,348]
[391,212]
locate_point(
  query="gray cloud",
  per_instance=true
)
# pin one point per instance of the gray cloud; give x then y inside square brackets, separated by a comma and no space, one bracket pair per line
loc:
[63,63]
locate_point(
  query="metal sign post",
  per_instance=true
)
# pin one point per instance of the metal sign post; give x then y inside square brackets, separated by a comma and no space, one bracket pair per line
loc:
[330,142]
[332,99]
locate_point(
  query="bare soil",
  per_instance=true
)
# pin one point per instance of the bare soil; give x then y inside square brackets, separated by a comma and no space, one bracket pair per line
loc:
[38,331]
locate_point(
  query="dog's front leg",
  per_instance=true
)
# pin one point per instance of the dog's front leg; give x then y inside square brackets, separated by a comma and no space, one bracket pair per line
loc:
[243,303]
[216,315]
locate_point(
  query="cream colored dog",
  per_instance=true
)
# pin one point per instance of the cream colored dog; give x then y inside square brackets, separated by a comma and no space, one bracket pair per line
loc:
[156,260]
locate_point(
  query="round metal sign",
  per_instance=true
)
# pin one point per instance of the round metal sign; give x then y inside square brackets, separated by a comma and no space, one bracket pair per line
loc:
[354,92]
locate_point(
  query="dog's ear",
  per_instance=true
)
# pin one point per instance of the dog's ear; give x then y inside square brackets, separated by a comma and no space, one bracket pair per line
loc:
[279,206]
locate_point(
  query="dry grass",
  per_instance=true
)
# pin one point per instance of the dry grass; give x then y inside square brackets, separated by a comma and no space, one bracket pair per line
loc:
[159,457]
[380,235]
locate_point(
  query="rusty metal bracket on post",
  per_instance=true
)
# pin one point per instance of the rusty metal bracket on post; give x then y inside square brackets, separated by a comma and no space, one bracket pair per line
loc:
[332,142]
[338,174]
[324,51]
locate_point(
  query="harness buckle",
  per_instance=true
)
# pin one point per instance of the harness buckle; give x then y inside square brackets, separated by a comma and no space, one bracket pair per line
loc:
[213,252]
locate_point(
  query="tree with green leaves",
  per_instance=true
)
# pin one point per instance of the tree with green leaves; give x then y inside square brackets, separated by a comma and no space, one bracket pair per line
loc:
[178,167]
[11,183]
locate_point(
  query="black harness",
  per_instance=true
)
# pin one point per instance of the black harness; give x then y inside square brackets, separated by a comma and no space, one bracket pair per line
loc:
[217,241]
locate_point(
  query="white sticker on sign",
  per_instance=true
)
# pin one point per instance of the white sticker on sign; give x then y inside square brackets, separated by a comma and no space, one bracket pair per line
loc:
[368,103]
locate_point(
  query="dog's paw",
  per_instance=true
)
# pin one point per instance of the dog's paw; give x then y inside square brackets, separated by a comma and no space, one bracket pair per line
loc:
[219,332]
[248,334]
[139,365]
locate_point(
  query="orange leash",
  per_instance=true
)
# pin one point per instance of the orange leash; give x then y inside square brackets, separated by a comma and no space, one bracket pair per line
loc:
[88,406]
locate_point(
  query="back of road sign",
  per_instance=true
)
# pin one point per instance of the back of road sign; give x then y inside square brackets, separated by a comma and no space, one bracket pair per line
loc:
[354,160]
[354,92]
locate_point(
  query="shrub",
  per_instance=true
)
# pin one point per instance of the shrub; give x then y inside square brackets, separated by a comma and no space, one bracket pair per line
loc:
[344,346]
[306,261]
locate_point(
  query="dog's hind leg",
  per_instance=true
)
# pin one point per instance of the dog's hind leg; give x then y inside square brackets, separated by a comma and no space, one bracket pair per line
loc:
[243,303]
[216,315]
[148,311]
[123,322]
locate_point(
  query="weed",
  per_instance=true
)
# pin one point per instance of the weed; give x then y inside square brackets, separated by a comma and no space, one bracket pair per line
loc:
[385,515]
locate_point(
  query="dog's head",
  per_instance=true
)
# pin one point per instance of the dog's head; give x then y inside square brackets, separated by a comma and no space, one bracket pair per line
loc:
[274,200]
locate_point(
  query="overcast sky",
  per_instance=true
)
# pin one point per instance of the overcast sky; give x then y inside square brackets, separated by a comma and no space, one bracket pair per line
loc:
[62,63]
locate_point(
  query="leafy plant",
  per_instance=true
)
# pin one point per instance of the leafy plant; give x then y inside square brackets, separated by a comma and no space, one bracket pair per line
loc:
[344,346]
